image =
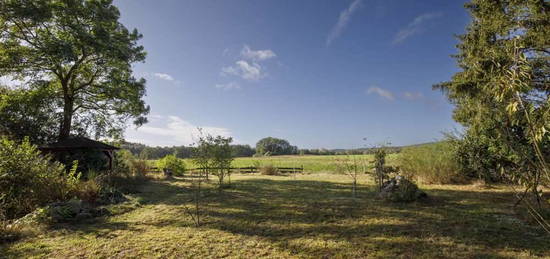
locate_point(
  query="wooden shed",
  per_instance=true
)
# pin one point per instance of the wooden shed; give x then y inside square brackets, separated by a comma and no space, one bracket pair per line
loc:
[75,144]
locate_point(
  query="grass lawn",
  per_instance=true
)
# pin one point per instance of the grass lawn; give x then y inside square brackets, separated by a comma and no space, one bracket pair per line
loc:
[311,216]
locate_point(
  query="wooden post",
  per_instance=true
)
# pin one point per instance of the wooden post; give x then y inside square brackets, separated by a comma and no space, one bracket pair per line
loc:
[109,154]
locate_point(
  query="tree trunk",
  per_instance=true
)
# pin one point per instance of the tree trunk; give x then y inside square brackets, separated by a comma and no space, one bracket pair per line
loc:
[354,187]
[65,130]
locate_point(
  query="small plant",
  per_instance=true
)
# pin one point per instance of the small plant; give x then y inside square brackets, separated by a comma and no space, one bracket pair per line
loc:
[353,167]
[194,211]
[380,171]
[214,154]
[89,191]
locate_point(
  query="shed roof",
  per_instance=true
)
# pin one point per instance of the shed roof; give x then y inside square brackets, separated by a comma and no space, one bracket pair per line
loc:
[78,143]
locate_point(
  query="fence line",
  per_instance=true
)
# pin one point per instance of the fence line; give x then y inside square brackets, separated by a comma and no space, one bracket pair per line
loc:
[251,169]
[248,169]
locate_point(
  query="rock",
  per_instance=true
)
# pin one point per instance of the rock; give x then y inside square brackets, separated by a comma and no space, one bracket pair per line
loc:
[98,212]
[112,196]
[83,216]
[65,211]
[399,189]
[38,216]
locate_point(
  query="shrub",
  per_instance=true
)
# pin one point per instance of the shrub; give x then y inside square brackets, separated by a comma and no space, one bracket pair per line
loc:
[268,170]
[28,179]
[477,157]
[125,164]
[431,163]
[173,164]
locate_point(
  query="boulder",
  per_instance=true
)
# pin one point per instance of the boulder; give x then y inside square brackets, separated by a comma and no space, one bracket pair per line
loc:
[98,212]
[83,216]
[111,196]
[65,211]
[399,189]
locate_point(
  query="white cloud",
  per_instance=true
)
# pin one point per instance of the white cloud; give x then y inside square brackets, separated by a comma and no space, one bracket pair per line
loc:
[228,86]
[414,27]
[248,67]
[381,92]
[257,55]
[413,95]
[246,70]
[343,20]
[172,130]
[164,76]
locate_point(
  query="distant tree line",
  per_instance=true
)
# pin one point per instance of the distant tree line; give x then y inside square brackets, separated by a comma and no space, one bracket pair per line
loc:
[265,147]
[148,152]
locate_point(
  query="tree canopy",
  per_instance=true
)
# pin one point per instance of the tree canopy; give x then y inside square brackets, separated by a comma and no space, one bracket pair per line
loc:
[79,49]
[275,146]
[28,114]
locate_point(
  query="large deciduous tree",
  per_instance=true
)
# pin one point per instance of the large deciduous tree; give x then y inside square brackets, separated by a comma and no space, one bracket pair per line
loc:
[502,91]
[83,52]
[275,146]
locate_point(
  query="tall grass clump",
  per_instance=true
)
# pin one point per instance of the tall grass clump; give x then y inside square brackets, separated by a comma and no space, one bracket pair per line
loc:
[431,163]
[269,170]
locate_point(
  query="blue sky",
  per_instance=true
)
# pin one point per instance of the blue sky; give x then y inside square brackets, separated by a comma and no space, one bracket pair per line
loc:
[319,73]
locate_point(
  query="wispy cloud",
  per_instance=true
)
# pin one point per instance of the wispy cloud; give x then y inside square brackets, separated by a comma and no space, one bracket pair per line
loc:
[343,20]
[228,86]
[413,95]
[258,55]
[414,27]
[386,94]
[164,76]
[246,70]
[172,130]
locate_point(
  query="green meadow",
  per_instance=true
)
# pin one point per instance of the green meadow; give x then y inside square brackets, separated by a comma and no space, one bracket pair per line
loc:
[310,163]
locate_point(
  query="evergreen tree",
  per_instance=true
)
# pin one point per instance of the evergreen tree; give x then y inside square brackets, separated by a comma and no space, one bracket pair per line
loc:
[501,93]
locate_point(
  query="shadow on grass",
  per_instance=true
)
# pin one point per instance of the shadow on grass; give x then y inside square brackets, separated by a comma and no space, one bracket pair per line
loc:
[320,219]
[303,216]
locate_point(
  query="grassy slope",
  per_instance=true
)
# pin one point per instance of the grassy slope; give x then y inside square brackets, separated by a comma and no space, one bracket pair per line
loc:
[303,216]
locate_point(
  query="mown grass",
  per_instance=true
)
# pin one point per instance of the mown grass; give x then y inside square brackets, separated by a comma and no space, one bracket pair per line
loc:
[305,216]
